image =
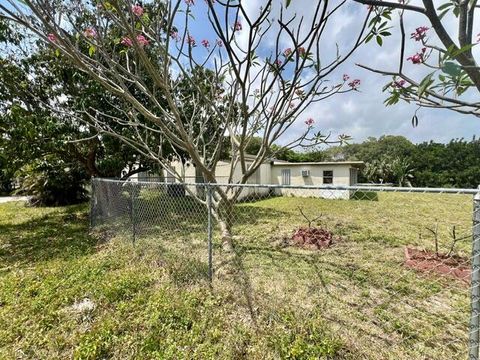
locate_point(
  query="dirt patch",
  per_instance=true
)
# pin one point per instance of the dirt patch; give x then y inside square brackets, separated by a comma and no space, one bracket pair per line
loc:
[312,238]
[427,261]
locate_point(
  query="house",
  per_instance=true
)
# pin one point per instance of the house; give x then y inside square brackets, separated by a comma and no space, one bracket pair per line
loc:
[277,172]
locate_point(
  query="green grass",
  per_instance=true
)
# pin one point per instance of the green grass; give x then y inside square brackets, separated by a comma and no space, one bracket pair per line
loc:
[354,300]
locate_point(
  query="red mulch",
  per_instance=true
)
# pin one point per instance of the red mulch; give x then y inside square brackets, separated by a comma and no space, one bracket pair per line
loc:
[427,261]
[312,238]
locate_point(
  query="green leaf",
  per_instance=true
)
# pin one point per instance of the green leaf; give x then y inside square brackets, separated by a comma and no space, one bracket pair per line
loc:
[425,83]
[451,68]
[444,6]
[57,52]
[463,49]
[288,2]
[379,40]
[91,50]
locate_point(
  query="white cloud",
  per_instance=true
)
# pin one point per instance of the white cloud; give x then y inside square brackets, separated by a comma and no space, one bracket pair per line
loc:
[363,114]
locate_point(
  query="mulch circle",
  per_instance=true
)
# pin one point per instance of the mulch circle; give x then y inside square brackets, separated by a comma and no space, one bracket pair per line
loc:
[427,261]
[312,238]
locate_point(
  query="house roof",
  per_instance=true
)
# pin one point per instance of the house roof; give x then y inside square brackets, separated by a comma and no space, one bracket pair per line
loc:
[324,163]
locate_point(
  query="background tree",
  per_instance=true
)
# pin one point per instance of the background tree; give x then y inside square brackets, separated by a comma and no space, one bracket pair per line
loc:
[265,63]
[394,159]
[452,76]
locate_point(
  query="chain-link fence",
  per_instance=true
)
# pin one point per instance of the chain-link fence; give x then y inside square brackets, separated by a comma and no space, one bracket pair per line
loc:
[391,269]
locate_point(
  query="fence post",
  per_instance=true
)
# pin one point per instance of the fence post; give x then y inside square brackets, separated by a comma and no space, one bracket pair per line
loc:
[92,202]
[209,232]
[475,283]
[132,213]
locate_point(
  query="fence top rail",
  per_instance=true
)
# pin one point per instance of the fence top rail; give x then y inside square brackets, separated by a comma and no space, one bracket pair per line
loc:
[374,188]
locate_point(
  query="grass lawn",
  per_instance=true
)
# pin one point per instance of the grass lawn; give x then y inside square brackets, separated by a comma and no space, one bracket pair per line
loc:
[65,293]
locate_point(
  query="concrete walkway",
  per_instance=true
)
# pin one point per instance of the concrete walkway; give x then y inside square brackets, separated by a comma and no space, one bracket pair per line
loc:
[5,199]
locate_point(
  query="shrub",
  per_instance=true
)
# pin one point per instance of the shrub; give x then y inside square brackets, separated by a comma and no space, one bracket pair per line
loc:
[52,182]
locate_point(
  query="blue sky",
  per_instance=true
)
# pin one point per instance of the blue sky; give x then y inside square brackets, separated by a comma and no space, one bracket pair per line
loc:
[362,114]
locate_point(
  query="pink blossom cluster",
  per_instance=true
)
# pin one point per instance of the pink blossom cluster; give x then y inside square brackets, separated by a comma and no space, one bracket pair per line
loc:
[288,52]
[419,57]
[190,2]
[51,37]
[354,84]
[90,33]
[237,26]
[191,41]
[142,41]
[346,77]
[419,33]
[309,122]
[174,35]
[137,10]
[398,84]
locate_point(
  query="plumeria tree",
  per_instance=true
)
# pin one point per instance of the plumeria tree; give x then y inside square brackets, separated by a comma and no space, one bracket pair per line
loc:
[252,71]
[445,44]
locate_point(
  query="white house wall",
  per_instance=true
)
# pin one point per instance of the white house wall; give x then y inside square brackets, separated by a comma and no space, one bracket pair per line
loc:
[341,176]
[272,174]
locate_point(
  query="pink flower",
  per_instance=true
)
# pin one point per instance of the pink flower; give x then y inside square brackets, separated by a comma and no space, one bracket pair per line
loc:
[301,51]
[418,58]
[354,84]
[219,43]
[309,122]
[398,83]
[174,35]
[137,10]
[90,33]
[345,77]
[237,26]
[287,52]
[190,2]
[206,43]
[126,41]
[142,40]
[51,37]
[419,33]
[191,41]
[278,62]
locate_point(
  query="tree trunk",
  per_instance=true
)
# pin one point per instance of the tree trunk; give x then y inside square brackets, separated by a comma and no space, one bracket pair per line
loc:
[225,221]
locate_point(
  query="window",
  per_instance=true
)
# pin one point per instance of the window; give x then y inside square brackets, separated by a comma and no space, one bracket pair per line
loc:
[286,177]
[328,176]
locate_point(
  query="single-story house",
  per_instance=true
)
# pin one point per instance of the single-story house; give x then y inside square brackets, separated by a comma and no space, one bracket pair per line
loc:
[277,172]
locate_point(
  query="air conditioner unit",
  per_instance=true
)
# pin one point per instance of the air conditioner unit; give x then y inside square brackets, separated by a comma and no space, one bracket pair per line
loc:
[305,173]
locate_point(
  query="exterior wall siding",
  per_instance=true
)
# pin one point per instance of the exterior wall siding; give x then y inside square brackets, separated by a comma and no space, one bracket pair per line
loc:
[341,176]
[272,174]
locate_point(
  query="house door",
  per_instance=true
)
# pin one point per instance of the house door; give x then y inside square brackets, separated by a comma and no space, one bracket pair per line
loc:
[286,174]
[353,176]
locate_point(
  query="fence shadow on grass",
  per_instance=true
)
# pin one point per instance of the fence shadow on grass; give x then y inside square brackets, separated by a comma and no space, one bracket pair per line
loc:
[385,299]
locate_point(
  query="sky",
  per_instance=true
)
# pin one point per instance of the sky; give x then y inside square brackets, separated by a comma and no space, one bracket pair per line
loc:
[362,114]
